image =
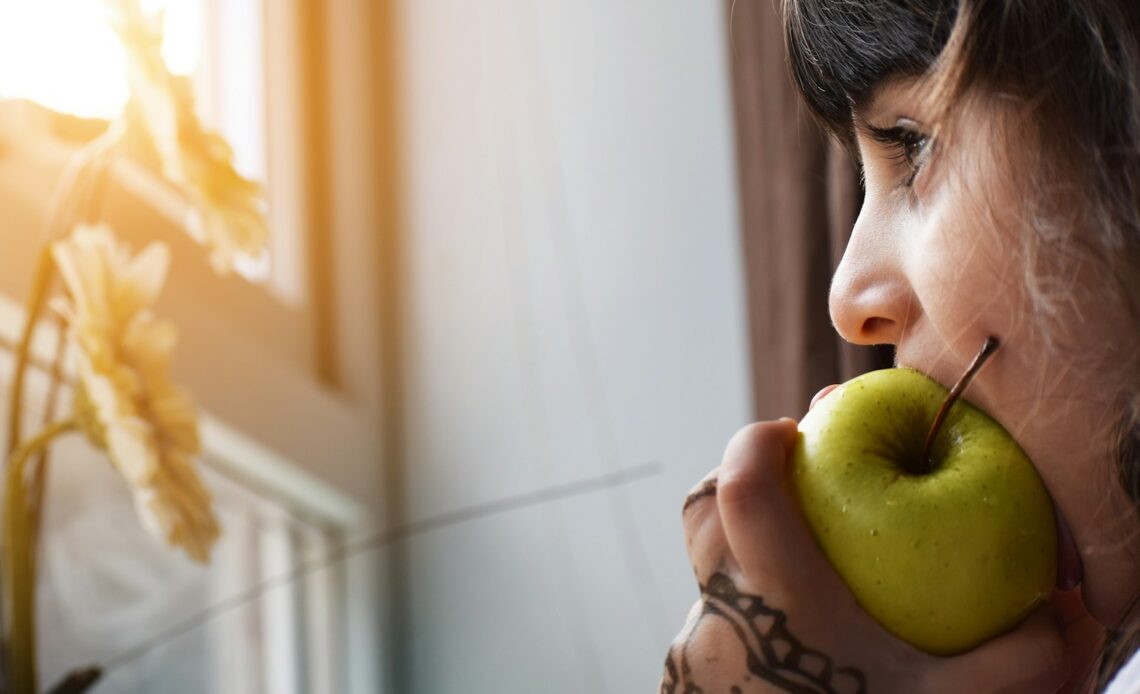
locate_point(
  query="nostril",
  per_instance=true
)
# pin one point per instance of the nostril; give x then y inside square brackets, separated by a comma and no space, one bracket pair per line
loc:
[876,325]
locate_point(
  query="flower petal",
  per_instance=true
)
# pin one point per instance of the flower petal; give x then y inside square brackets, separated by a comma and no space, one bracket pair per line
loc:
[130,406]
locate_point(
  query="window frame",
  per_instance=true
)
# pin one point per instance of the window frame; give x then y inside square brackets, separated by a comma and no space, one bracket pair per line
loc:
[290,383]
[295,392]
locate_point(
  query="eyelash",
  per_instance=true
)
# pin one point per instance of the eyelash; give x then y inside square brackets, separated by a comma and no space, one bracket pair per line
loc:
[910,147]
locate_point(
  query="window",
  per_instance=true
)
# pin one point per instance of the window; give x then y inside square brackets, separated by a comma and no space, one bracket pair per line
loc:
[240,340]
[64,55]
[288,386]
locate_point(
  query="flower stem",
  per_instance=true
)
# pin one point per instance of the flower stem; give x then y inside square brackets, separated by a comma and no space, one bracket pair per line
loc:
[38,478]
[40,285]
[19,581]
[70,193]
[90,192]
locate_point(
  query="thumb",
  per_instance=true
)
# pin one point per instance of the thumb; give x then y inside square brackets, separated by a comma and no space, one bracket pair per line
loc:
[1031,658]
[762,521]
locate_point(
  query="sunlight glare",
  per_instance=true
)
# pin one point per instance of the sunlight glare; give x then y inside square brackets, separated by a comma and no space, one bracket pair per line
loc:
[64,55]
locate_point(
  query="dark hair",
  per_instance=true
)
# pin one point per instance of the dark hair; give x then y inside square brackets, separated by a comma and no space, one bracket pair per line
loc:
[1073,67]
[840,51]
[1075,64]
[1074,59]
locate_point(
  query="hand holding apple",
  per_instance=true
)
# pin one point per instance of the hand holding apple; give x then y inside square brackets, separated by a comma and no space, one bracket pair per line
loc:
[774,615]
[944,556]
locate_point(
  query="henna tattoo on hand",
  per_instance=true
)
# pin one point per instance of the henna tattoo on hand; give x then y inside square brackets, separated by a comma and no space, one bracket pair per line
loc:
[771,652]
[706,489]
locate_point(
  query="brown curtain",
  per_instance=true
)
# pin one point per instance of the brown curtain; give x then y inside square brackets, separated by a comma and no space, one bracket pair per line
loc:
[800,196]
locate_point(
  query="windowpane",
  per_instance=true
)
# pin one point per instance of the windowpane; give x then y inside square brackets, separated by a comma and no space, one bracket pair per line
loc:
[64,55]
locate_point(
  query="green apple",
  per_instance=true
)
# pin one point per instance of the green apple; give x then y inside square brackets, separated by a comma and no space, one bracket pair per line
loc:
[945,556]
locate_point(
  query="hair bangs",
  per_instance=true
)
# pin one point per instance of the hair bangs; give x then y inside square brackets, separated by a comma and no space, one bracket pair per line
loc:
[839,50]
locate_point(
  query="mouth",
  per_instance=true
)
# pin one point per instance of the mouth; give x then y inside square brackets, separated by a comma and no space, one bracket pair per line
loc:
[1070,570]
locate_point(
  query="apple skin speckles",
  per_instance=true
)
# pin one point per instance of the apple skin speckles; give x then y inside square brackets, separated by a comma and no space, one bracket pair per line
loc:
[944,560]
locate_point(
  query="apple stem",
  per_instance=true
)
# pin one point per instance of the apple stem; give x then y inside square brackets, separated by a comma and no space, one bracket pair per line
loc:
[988,348]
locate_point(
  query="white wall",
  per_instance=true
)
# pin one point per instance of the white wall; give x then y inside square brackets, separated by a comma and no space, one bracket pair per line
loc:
[574,308]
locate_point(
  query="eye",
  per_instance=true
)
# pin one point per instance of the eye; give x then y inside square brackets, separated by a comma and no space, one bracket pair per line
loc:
[908,145]
[911,146]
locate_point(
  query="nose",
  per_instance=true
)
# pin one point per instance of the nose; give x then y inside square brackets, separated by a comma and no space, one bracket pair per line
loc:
[871,299]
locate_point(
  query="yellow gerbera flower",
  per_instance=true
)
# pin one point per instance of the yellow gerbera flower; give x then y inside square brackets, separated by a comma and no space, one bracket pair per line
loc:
[227,210]
[126,401]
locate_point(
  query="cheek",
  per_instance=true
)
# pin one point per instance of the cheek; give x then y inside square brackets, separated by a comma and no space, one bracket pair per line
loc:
[965,270]
[969,273]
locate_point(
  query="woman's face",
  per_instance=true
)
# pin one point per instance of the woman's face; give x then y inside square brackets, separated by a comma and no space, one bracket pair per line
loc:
[935,265]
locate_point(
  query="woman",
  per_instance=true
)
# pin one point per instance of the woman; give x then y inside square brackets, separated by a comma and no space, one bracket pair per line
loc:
[1000,147]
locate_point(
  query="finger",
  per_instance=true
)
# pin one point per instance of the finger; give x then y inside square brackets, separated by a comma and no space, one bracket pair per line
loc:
[1031,658]
[763,525]
[705,488]
[704,535]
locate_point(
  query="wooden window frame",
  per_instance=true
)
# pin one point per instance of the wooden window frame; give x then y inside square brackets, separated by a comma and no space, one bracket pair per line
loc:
[289,382]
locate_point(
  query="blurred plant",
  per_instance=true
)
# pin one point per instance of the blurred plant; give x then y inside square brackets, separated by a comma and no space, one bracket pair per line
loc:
[124,399]
[227,211]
